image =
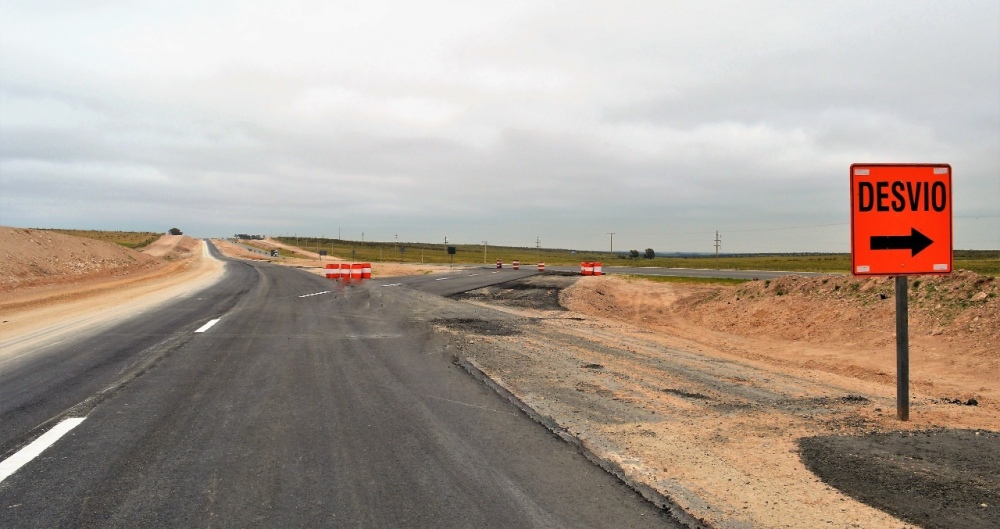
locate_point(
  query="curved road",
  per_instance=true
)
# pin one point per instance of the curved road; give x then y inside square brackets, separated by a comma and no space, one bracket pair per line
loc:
[305,404]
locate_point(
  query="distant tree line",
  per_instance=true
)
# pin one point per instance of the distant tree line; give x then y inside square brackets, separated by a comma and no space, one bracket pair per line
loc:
[634,254]
[247,237]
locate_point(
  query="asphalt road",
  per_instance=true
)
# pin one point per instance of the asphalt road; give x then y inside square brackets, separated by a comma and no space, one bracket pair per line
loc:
[307,404]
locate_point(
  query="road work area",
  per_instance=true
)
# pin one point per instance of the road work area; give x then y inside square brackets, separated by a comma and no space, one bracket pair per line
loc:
[765,404]
[750,429]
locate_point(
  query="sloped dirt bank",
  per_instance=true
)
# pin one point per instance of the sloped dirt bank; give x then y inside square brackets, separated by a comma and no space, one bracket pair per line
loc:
[50,280]
[714,420]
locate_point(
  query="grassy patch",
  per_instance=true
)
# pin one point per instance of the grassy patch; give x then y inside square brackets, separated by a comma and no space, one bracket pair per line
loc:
[128,239]
[982,262]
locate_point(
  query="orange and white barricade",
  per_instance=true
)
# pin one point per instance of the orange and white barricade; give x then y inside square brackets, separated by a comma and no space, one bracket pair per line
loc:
[333,271]
[366,271]
[587,268]
[598,270]
[516,265]
[541,266]
[499,264]
[356,270]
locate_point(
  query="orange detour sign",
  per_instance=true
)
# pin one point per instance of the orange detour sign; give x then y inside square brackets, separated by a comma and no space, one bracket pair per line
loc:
[901,219]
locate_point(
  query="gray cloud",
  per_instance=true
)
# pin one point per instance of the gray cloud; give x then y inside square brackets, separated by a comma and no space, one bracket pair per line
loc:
[661,122]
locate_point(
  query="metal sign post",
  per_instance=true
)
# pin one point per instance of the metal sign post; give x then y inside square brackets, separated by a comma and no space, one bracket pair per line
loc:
[902,350]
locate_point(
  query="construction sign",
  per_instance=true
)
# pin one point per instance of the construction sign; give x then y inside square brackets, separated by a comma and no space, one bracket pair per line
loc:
[901,219]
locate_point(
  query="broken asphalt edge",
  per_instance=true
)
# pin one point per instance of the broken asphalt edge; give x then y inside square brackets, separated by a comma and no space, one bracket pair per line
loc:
[649,493]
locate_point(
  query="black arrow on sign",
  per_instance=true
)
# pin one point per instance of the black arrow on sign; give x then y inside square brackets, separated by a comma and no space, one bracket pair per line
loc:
[915,242]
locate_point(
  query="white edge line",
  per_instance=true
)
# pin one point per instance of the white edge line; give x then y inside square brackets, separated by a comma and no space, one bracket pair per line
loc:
[13,463]
[208,325]
[442,278]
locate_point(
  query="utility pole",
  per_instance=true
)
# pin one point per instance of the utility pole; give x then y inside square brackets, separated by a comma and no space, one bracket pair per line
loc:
[484,251]
[612,242]
[538,249]
[718,243]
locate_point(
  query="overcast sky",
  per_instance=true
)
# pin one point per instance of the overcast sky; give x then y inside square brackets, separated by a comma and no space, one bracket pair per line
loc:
[503,121]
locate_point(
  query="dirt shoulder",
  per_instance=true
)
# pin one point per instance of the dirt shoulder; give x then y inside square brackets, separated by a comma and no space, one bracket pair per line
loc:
[720,403]
[55,284]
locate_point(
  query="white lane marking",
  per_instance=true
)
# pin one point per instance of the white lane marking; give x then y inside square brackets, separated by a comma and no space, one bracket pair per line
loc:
[392,285]
[208,325]
[316,294]
[472,275]
[442,278]
[13,463]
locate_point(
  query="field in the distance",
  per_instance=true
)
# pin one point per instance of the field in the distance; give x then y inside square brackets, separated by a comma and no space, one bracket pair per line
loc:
[128,239]
[986,262]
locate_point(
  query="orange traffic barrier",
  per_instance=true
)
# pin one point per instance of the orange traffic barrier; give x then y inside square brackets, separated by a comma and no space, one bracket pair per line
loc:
[366,271]
[356,270]
[587,268]
[598,270]
[333,271]
[345,271]
[516,265]
[499,264]
[541,267]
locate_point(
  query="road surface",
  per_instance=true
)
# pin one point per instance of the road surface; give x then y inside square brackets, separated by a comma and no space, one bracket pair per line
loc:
[277,398]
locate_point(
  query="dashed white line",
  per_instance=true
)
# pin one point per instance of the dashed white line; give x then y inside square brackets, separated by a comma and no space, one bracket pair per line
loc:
[392,285]
[315,294]
[13,463]
[208,325]
[442,278]
[473,275]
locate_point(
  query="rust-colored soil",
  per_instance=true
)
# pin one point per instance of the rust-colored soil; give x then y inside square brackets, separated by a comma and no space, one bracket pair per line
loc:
[49,279]
[836,324]
[704,392]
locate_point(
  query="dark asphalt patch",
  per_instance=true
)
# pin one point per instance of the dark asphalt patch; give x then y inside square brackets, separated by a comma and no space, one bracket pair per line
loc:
[481,327]
[685,394]
[936,478]
[536,292]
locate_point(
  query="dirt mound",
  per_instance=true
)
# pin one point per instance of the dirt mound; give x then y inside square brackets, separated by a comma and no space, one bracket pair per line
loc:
[30,258]
[839,324]
[963,307]
[172,247]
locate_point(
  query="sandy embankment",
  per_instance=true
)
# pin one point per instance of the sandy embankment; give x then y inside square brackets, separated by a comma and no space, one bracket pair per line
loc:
[55,285]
